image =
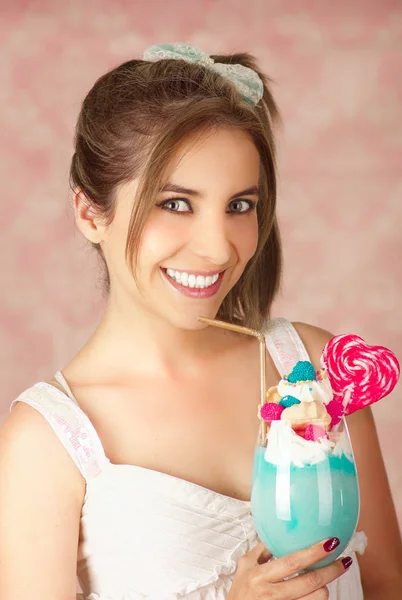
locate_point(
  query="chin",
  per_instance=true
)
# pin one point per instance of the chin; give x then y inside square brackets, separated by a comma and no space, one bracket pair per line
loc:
[188,321]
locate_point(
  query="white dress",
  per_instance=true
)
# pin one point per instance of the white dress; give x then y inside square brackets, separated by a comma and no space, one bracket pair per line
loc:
[149,535]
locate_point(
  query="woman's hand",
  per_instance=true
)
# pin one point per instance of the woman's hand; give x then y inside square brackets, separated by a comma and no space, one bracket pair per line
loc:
[257,579]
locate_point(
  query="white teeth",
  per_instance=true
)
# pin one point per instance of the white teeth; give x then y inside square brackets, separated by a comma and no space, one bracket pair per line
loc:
[192,281]
[200,283]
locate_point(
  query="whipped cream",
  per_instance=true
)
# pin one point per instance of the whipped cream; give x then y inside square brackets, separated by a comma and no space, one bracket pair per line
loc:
[285,446]
[308,391]
[343,447]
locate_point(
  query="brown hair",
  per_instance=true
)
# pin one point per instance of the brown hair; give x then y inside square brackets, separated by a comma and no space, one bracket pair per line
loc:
[130,125]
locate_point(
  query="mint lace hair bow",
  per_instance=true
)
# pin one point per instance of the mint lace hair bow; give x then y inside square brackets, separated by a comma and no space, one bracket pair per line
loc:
[247,82]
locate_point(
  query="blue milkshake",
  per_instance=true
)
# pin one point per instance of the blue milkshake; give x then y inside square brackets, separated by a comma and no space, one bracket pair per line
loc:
[295,506]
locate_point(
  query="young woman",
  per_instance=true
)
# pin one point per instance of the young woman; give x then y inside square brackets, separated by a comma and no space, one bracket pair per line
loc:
[145,488]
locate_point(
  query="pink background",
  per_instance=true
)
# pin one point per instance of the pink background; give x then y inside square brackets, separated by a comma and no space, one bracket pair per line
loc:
[337,68]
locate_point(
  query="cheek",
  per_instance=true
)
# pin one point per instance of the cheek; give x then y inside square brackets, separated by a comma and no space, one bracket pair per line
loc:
[114,246]
[245,238]
[162,237]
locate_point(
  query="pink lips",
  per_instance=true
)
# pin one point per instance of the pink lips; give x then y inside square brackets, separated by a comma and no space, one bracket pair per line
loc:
[198,293]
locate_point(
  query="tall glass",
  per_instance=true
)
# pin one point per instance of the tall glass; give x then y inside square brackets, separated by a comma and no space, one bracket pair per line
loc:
[303,493]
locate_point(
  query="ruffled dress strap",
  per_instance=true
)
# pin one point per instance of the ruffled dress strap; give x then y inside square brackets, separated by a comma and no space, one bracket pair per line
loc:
[69,422]
[284,345]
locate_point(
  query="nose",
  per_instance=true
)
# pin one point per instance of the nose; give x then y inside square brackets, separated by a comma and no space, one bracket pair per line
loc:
[211,240]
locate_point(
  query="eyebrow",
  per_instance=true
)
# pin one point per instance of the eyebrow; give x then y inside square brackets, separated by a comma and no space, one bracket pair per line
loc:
[178,189]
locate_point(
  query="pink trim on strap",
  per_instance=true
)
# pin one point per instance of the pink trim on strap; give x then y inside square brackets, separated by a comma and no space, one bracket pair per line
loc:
[71,425]
[284,345]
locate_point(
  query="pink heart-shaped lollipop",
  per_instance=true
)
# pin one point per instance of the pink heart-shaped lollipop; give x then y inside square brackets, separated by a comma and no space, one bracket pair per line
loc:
[359,374]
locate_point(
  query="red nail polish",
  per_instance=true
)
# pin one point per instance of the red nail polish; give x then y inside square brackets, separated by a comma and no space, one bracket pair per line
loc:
[331,544]
[347,561]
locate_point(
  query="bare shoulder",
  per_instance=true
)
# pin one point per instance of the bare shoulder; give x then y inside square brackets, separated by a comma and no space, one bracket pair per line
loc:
[41,494]
[314,338]
[30,446]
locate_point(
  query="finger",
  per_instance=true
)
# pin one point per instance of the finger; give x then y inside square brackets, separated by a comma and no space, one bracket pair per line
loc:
[294,563]
[264,557]
[321,594]
[258,555]
[310,582]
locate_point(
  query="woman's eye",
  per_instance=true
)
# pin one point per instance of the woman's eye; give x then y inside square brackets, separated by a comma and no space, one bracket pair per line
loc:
[175,205]
[241,206]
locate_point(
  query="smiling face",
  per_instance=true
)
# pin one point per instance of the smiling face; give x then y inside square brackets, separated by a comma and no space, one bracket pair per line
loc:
[196,242]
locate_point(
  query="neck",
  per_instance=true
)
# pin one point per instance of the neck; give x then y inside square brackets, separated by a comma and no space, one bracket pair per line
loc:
[131,341]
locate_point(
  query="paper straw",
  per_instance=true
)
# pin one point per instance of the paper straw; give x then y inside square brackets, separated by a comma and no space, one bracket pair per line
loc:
[261,338]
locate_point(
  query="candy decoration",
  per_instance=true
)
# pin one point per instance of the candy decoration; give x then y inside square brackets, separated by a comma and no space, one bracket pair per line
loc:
[271,412]
[321,375]
[305,413]
[272,395]
[303,371]
[336,411]
[288,401]
[359,374]
[314,433]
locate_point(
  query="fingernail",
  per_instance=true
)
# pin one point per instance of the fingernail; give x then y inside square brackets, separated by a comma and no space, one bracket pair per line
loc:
[347,561]
[331,544]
